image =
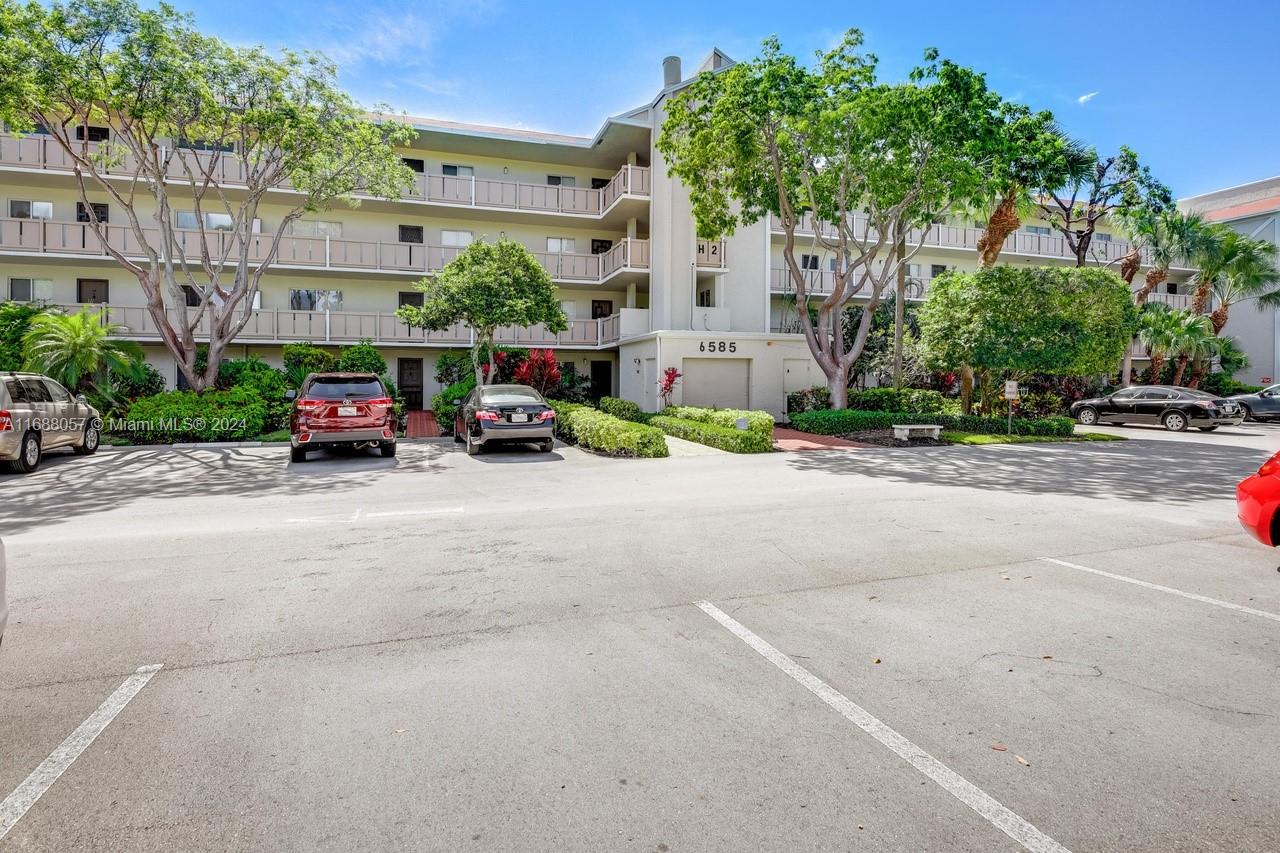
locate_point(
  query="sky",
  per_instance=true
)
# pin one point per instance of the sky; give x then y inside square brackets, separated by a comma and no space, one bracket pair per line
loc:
[1192,86]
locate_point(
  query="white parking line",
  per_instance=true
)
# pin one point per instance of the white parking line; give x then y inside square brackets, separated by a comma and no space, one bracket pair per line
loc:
[955,784]
[42,778]
[1191,595]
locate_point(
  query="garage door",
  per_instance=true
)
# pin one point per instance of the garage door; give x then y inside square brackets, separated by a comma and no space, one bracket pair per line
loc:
[719,382]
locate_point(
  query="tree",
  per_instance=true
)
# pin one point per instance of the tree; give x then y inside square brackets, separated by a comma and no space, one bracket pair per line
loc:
[487,286]
[1016,321]
[871,166]
[76,348]
[1234,267]
[1100,187]
[1158,331]
[1194,340]
[201,133]
[1169,236]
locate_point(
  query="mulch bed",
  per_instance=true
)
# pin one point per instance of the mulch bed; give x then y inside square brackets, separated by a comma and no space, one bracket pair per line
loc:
[884,438]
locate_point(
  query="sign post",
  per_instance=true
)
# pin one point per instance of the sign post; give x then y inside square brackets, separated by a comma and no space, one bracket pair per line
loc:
[1010,394]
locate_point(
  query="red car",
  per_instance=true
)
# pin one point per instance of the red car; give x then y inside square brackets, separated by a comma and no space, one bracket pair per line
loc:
[1257,498]
[341,410]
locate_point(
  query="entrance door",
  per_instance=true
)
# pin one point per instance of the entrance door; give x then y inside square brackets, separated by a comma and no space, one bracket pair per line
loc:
[91,291]
[601,308]
[601,379]
[409,378]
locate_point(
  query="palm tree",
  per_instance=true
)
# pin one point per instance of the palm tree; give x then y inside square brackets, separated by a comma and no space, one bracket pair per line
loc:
[1169,236]
[1238,265]
[1158,330]
[1194,340]
[74,348]
[1215,347]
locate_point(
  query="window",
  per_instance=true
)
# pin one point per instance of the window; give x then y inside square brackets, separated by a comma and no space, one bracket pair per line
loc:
[560,244]
[561,181]
[1126,394]
[417,164]
[1040,230]
[56,392]
[599,247]
[31,289]
[335,388]
[212,221]
[601,308]
[599,183]
[936,270]
[569,307]
[1171,287]
[191,295]
[315,300]
[99,212]
[453,170]
[411,297]
[705,298]
[808,262]
[36,392]
[19,209]
[93,134]
[455,238]
[315,228]
[205,145]
[1102,238]
[913,271]
[1156,394]
[411,234]
[92,291]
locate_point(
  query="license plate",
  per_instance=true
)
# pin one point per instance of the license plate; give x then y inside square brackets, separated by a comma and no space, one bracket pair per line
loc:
[519,419]
[347,411]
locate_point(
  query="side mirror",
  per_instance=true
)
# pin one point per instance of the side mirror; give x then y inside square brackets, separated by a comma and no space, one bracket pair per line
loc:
[457,402]
[291,395]
[82,399]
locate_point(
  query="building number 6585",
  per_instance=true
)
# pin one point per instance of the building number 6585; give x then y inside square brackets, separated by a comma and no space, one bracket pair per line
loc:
[717,346]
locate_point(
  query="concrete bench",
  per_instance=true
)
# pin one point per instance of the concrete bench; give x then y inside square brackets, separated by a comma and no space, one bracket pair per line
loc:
[906,432]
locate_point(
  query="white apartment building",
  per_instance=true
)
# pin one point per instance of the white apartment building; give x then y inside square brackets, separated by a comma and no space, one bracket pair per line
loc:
[1252,209]
[602,214]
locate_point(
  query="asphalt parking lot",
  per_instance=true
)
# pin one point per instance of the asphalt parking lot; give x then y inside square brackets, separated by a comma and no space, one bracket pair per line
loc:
[1037,647]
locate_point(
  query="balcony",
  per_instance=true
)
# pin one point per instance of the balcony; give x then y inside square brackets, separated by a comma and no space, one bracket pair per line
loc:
[268,326]
[711,257]
[46,237]
[1018,243]
[629,182]
[822,282]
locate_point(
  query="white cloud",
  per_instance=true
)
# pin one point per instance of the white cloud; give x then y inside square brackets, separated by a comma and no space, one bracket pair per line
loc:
[1084,99]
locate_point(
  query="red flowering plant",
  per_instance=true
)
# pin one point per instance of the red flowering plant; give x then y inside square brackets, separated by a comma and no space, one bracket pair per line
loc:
[539,371]
[667,385]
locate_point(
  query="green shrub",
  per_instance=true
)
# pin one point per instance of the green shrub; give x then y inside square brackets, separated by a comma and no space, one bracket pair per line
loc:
[921,400]
[761,422]
[1224,386]
[1039,404]
[15,320]
[362,358]
[269,384]
[303,358]
[443,406]
[452,367]
[810,399]
[624,409]
[843,421]
[151,382]
[715,435]
[604,433]
[181,416]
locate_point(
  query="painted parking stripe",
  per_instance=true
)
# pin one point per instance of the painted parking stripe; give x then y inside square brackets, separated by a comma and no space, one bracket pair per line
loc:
[42,778]
[962,789]
[1158,588]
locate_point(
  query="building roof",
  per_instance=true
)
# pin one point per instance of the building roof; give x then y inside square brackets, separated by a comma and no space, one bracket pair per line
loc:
[1255,198]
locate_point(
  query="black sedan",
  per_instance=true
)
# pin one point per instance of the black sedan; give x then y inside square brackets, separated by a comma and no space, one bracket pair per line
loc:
[504,414]
[1173,408]
[1263,405]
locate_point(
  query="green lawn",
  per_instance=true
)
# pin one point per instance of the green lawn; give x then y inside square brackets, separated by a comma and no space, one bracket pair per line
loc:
[979,438]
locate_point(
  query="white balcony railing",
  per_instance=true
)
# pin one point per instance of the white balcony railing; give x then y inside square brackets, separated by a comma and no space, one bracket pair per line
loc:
[77,238]
[270,325]
[43,152]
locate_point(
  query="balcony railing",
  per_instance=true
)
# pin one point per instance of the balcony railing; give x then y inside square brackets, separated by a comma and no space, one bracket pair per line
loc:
[284,326]
[43,152]
[711,255]
[954,237]
[822,282]
[48,237]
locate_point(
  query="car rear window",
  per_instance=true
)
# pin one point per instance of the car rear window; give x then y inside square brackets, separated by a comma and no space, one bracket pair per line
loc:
[1197,395]
[500,398]
[345,389]
[17,394]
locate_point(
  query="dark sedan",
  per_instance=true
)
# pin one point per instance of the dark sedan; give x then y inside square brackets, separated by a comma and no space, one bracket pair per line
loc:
[504,414]
[1263,405]
[1173,408]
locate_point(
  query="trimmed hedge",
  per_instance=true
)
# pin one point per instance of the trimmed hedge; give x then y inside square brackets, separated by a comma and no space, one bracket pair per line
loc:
[604,433]
[442,404]
[843,421]
[731,439]
[920,400]
[624,409]
[761,422]
[180,416]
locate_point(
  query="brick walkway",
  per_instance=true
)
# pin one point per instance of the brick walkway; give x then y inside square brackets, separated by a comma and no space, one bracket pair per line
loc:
[422,425]
[792,439]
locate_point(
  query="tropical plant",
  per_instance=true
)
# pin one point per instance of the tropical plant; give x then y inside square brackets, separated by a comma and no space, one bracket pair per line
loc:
[667,385]
[362,358]
[487,286]
[1194,339]
[146,384]
[76,348]
[185,110]
[15,320]
[539,371]
[1170,236]
[1158,330]
[1235,267]
[1231,357]
[303,358]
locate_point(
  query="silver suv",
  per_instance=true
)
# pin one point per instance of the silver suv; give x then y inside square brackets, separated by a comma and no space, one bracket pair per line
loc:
[37,414]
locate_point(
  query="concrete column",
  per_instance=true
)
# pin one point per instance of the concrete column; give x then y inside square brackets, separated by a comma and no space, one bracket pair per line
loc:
[633,159]
[631,295]
[631,228]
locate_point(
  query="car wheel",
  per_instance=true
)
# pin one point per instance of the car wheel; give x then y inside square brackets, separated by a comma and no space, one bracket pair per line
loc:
[1175,421]
[1248,413]
[297,454]
[89,445]
[1208,428]
[388,448]
[29,453]
[457,431]
[473,449]
[1087,416]
[547,446]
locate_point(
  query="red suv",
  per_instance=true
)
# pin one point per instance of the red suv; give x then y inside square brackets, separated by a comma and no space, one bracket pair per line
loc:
[351,410]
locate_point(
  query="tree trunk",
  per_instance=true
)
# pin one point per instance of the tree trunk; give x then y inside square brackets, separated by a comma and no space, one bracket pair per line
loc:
[1219,318]
[966,389]
[1181,368]
[838,385]
[899,313]
[1198,372]
[1155,369]
[1126,369]
[1156,276]
[1200,299]
[1129,265]
[1003,222]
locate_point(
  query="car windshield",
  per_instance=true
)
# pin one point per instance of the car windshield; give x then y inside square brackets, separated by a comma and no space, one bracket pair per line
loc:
[345,389]
[510,396]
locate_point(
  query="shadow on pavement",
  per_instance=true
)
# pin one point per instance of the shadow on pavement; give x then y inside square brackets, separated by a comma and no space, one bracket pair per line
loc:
[1144,471]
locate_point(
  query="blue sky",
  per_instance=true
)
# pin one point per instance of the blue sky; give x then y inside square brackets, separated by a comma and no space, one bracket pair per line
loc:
[1191,85]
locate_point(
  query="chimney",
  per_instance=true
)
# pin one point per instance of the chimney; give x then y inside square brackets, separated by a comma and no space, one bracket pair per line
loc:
[670,71]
